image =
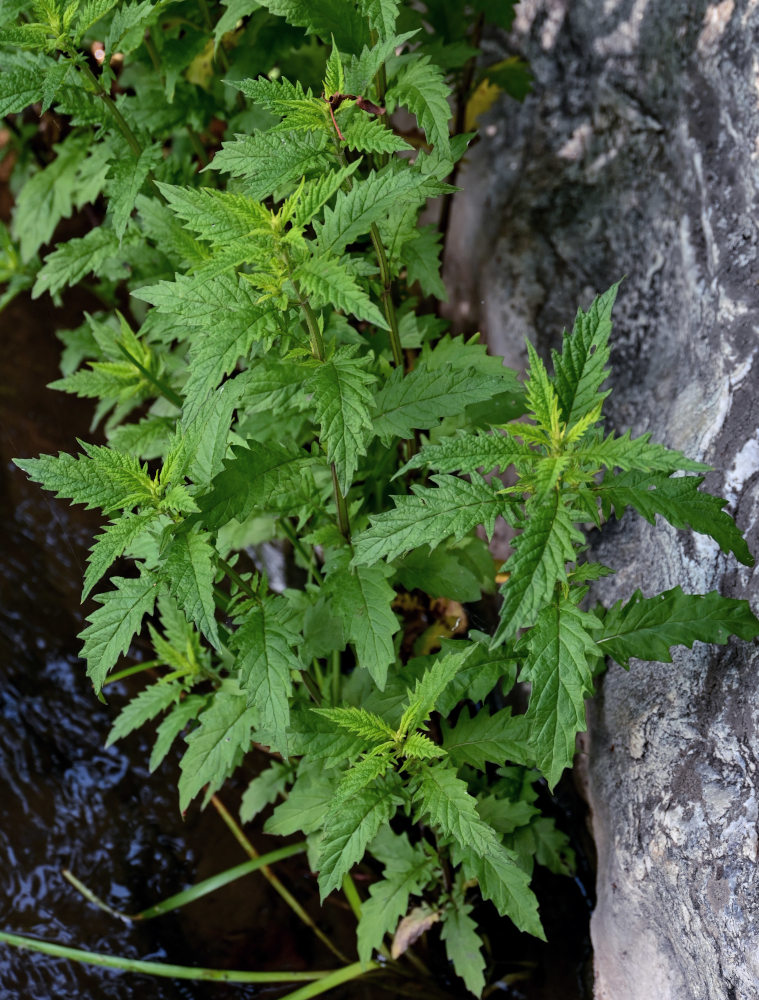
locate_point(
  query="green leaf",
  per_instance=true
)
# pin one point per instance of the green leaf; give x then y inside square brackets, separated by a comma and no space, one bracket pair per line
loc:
[443,801]
[504,883]
[634,453]
[427,517]
[151,701]
[542,549]
[471,452]
[128,174]
[216,216]
[679,501]
[421,88]
[18,89]
[458,572]
[560,651]
[381,15]
[362,600]
[541,395]
[270,161]
[235,11]
[423,262]
[341,402]
[463,946]
[418,400]
[325,18]
[366,203]
[370,727]
[188,572]
[308,802]
[319,191]
[368,135]
[252,479]
[180,716]
[216,746]
[72,260]
[407,871]
[128,26]
[204,438]
[483,738]
[362,773]
[348,830]
[111,544]
[266,660]
[647,627]
[263,790]
[326,282]
[430,687]
[114,624]
[90,13]
[101,477]
[581,367]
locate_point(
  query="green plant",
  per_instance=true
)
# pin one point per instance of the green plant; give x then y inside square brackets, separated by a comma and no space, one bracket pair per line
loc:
[291,381]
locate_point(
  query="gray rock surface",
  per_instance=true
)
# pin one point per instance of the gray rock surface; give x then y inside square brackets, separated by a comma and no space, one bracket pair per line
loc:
[638,154]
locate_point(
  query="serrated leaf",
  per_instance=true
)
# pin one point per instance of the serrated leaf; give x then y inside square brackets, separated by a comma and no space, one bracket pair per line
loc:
[547,542]
[75,258]
[90,13]
[216,216]
[463,945]
[179,717]
[110,544]
[430,687]
[483,738]
[235,11]
[407,871]
[18,89]
[422,257]
[647,627]
[364,134]
[420,399]
[325,18]
[370,727]
[188,571]
[471,452]
[205,438]
[560,651]
[341,402]
[216,746]
[457,572]
[349,830]
[581,367]
[263,790]
[151,701]
[428,516]
[629,453]
[326,282]
[381,15]
[504,883]
[319,191]
[362,600]
[101,477]
[421,88]
[308,802]
[253,478]
[114,624]
[270,160]
[128,174]
[128,26]
[442,800]
[367,202]
[679,501]
[541,395]
[360,774]
[265,658]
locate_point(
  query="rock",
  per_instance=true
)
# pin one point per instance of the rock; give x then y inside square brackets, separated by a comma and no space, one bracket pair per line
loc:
[638,154]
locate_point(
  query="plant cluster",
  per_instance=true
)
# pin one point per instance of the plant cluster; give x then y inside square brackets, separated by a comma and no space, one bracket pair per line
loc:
[267,364]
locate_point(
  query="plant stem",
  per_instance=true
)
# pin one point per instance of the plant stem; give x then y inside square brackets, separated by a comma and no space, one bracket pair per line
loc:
[351,894]
[166,391]
[331,981]
[387,297]
[272,879]
[342,510]
[235,577]
[121,122]
[194,892]
[165,970]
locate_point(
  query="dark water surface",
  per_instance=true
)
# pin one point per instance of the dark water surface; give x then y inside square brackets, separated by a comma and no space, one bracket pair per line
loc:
[66,802]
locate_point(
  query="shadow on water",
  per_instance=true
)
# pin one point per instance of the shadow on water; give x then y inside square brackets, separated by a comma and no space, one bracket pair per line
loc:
[66,802]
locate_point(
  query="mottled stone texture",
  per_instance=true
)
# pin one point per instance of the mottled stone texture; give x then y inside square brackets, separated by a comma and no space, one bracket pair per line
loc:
[638,154]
